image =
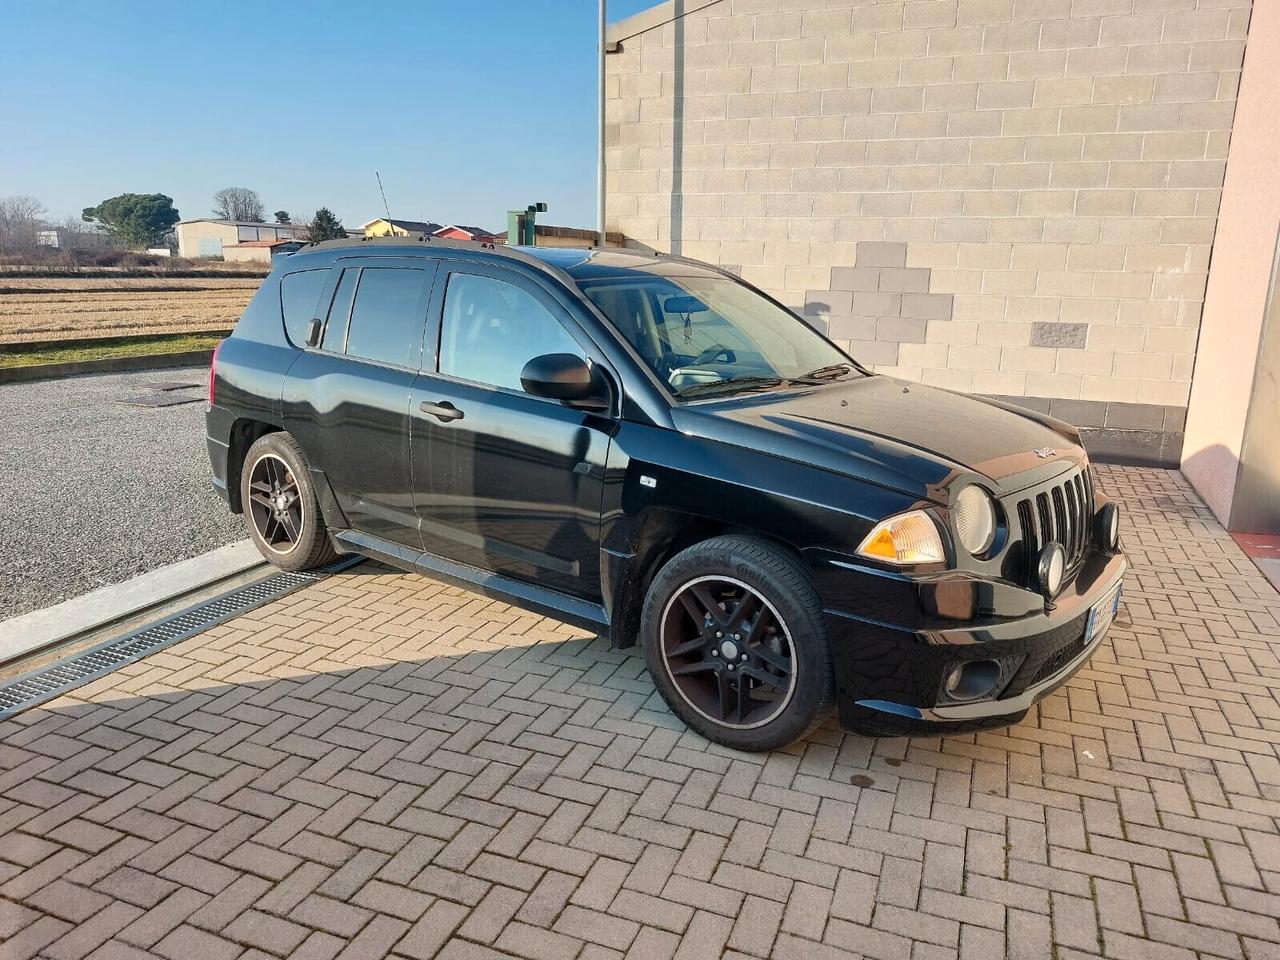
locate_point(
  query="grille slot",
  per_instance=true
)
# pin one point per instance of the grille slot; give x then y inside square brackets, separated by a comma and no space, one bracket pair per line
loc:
[46,683]
[1059,511]
[1058,659]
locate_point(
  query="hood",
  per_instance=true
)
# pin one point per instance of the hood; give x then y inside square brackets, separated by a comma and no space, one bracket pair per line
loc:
[904,435]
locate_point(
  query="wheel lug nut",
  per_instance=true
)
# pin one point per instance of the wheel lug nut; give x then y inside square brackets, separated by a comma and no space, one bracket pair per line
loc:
[744,656]
[719,634]
[715,653]
[731,666]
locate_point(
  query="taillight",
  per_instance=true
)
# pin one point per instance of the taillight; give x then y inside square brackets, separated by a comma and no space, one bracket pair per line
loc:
[213,370]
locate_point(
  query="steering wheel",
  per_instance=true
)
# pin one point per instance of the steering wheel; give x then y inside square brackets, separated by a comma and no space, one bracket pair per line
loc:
[713,351]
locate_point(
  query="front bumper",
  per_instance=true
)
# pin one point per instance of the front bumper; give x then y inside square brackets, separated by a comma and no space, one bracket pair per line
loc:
[889,676]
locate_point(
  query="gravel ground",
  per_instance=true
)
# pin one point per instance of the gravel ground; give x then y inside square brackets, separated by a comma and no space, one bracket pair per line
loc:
[94,491]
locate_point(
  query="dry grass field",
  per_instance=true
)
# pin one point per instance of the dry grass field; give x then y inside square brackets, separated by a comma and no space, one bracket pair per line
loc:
[49,309]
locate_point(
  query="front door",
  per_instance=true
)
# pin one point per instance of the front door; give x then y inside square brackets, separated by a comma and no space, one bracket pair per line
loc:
[506,481]
[347,399]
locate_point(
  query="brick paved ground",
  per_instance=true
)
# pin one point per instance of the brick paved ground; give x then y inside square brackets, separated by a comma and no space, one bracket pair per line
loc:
[381,764]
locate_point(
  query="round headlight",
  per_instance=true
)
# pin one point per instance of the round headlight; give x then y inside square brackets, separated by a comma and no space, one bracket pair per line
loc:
[975,518]
[1052,567]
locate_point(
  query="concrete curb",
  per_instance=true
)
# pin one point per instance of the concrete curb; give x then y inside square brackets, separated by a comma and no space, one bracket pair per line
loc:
[150,361]
[23,635]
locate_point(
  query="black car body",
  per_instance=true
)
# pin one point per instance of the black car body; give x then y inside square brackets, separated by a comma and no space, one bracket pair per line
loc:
[571,507]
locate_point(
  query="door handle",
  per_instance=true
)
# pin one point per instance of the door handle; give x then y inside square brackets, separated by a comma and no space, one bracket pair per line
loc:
[445,411]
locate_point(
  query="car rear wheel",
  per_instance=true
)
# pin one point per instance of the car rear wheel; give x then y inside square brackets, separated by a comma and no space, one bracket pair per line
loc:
[733,634]
[280,505]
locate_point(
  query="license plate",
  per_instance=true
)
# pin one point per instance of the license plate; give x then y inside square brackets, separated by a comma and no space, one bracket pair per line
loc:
[1102,613]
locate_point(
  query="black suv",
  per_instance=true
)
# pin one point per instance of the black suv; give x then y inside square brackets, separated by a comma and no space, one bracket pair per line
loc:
[649,447]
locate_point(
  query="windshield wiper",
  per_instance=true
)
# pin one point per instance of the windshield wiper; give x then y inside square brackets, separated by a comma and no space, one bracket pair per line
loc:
[733,384]
[829,372]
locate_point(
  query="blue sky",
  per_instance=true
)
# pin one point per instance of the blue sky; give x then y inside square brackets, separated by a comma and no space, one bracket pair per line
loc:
[467,107]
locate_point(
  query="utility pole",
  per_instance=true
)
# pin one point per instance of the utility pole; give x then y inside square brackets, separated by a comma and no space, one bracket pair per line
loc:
[600,133]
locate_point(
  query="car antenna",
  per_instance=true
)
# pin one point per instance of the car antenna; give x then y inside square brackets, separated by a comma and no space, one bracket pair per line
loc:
[385,205]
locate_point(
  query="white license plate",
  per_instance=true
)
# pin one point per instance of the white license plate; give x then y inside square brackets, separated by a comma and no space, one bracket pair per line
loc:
[1102,613]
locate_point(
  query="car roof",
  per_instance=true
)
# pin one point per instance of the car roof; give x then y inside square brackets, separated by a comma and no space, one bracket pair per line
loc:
[567,263]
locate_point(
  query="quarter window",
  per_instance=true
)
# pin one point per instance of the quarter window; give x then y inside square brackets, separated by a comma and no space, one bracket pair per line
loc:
[386,320]
[493,328]
[299,297]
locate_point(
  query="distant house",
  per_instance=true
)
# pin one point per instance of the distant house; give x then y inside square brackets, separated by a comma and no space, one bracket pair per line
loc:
[456,232]
[259,251]
[545,235]
[59,238]
[399,228]
[209,238]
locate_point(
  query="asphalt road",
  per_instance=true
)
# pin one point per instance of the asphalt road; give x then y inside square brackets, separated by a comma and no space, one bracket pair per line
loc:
[94,491]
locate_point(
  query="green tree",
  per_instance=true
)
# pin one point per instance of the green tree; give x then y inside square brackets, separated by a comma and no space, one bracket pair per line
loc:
[282,216]
[325,226]
[139,220]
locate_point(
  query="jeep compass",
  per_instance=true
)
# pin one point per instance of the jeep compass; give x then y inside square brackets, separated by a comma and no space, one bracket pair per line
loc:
[648,447]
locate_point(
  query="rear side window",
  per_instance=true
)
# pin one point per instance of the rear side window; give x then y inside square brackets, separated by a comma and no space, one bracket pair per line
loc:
[299,296]
[386,321]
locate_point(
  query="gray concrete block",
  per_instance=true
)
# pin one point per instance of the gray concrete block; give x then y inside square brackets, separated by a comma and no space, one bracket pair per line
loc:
[851,328]
[1135,416]
[1081,413]
[1175,419]
[880,253]
[900,329]
[876,304]
[904,280]
[1067,336]
[927,306]
[824,303]
[855,278]
[870,352]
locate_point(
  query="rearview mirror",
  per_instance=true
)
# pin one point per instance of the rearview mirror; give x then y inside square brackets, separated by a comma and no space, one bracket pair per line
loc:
[567,378]
[684,305]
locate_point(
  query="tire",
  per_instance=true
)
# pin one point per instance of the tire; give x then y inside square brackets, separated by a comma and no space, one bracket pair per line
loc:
[699,664]
[296,538]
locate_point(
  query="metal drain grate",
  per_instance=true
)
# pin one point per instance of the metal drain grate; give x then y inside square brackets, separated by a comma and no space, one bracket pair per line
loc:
[34,688]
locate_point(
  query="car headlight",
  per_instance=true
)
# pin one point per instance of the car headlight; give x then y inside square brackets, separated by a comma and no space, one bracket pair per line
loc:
[907,538]
[975,519]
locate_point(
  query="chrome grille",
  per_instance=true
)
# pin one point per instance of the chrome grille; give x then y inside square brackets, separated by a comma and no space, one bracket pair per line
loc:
[1061,511]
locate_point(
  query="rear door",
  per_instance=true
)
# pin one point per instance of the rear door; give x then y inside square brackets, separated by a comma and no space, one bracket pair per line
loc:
[506,481]
[346,399]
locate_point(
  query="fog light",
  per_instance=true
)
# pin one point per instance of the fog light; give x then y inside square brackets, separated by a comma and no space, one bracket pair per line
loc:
[1051,568]
[1107,528]
[970,680]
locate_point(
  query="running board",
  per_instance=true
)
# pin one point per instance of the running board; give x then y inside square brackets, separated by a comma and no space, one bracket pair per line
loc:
[549,603]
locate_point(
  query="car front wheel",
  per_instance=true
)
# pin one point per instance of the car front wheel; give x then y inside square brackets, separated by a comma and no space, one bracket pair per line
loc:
[733,634]
[280,505]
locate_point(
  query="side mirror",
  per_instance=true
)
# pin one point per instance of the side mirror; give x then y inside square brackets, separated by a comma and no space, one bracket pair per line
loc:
[313,332]
[567,378]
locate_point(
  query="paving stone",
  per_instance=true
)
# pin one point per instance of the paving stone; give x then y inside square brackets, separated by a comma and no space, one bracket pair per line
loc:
[383,764]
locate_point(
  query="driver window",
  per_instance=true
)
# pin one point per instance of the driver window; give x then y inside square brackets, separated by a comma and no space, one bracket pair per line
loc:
[492,328]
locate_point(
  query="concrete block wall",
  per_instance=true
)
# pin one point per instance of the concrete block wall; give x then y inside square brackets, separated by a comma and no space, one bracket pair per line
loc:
[1009,197]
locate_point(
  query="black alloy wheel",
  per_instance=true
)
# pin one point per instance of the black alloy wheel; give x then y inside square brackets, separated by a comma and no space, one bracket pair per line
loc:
[736,641]
[282,512]
[275,503]
[728,652]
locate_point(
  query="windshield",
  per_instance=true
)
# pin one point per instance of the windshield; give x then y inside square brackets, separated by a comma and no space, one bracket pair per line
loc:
[712,335]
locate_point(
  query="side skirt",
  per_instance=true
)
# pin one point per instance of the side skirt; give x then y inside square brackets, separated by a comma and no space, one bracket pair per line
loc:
[550,603]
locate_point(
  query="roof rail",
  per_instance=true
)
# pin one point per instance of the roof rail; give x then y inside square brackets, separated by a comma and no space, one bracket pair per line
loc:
[466,246]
